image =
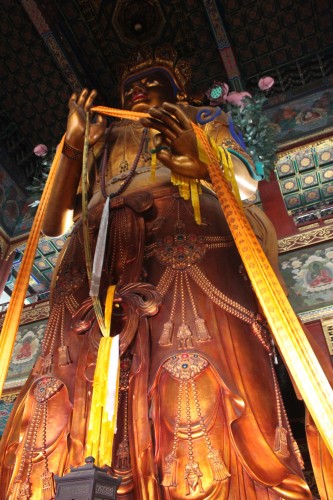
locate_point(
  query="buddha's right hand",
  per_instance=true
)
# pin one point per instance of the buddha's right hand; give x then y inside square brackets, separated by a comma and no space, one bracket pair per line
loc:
[78,105]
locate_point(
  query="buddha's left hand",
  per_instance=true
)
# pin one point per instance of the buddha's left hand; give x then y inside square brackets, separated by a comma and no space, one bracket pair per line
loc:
[176,144]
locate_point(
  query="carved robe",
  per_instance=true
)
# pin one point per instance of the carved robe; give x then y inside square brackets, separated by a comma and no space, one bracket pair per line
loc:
[199,407]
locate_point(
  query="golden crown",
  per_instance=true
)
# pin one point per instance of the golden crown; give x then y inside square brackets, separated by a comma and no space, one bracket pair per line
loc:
[164,57]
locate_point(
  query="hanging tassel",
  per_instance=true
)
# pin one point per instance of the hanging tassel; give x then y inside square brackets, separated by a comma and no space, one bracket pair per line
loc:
[201,329]
[298,454]
[48,485]
[219,469]
[281,441]
[99,251]
[20,491]
[24,491]
[63,353]
[169,470]
[166,336]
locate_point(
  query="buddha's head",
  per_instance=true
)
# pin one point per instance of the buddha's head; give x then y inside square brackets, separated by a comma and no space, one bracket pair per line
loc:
[152,77]
[147,90]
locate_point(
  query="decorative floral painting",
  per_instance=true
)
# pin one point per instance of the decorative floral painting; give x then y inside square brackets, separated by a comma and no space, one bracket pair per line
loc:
[308,273]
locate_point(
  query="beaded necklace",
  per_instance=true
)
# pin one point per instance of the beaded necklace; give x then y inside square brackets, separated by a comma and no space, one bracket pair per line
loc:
[130,175]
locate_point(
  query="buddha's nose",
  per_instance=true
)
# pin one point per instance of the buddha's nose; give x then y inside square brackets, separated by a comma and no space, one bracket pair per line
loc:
[138,87]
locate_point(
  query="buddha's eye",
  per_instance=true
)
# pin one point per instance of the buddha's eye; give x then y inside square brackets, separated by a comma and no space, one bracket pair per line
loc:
[153,83]
[128,92]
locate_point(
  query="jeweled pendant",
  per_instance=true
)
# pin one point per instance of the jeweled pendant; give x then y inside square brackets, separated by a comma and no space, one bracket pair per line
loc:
[193,477]
[47,363]
[123,167]
[166,336]
[184,336]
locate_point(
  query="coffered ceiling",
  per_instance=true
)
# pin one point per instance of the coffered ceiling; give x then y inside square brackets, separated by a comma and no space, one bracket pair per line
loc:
[50,48]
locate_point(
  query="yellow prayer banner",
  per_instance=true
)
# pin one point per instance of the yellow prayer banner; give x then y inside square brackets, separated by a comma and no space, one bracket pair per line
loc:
[287,331]
[13,315]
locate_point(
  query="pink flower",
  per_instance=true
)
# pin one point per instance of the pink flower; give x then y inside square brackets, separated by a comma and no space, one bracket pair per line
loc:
[266,83]
[236,98]
[40,150]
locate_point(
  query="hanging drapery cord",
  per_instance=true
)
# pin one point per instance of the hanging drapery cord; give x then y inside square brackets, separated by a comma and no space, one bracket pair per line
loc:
[288,333]
[13,315]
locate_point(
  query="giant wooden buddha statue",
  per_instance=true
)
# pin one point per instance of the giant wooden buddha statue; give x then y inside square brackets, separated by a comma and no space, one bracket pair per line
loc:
[200,414]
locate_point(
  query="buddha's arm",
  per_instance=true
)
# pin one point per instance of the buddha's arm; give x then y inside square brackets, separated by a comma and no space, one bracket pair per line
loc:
[62,202]
[61,205]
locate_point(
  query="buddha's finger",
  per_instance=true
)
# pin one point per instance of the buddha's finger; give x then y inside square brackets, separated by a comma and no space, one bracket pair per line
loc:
[175,110]
[90,100]
[72,100]
[82,98]
[160,126]
[167,119]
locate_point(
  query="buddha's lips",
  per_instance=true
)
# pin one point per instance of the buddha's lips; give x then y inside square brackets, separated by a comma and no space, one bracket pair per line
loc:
[139,97]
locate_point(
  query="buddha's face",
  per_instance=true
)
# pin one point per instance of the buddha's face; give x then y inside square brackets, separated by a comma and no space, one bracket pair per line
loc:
[147,91]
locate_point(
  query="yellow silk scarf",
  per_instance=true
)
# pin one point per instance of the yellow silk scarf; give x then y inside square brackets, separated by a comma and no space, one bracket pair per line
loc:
[104,402]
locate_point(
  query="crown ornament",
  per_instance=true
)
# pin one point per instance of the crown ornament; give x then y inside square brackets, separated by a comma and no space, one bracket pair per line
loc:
[165,57]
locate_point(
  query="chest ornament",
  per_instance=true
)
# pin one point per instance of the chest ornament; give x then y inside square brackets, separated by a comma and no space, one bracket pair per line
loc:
[181,250]
[185,366]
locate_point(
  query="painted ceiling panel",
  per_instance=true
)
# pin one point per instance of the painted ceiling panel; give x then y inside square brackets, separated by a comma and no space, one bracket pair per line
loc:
[49,49]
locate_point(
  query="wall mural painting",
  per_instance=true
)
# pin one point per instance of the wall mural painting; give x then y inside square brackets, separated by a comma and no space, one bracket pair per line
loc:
[26,350]
[6,406]
[24,222]
[12,201]
[306,116]
[308,273]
